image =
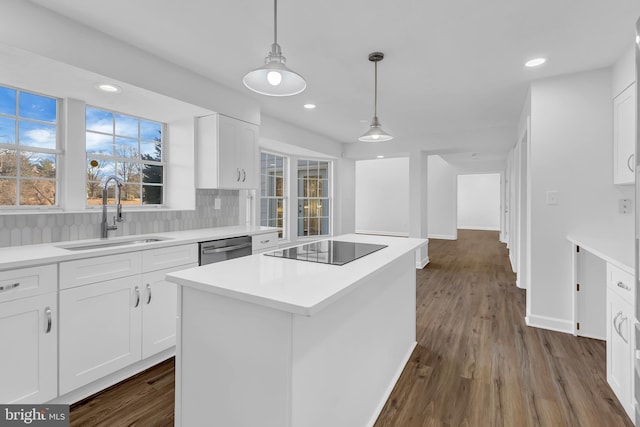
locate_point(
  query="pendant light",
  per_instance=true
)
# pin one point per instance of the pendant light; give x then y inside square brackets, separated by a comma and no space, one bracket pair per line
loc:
[274,78]
[375,132]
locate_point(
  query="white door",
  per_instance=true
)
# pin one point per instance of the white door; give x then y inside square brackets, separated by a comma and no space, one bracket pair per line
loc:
[246,135]
[29,357]
[159,311]
[592,295]
[229,173]
[100,330]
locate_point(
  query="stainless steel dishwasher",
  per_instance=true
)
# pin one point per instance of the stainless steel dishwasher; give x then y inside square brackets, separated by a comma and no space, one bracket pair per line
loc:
[224,249]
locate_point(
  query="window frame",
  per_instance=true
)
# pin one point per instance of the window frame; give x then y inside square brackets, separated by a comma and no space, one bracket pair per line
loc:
[286,164]
[117,160]
[57,151]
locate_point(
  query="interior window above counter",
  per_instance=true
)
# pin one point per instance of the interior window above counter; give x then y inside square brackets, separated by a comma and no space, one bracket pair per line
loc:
[226,153]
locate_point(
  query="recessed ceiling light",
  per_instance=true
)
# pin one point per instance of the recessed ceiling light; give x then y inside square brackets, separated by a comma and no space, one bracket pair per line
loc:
[309,106]
[535,62]
[107,87]
[379,157]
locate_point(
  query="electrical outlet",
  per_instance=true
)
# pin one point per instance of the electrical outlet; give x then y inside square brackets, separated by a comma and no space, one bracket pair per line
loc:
[625,206]
[552,198]
[217,203]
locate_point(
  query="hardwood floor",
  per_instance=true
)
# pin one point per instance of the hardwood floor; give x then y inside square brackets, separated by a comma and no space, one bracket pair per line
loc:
[476,363]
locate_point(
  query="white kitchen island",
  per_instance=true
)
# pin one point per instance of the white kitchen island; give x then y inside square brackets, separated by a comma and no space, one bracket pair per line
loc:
[272,342]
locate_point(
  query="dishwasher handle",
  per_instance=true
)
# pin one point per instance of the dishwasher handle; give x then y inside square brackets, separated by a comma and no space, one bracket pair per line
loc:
[207,251]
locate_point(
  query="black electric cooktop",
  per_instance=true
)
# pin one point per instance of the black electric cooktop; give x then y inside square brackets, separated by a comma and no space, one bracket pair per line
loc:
[327,252]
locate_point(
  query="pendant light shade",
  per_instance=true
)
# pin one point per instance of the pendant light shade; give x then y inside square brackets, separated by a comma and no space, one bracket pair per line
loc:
[375,132]
[274,78]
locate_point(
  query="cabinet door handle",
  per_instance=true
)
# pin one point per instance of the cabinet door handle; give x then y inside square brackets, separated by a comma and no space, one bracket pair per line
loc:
[238,177]
[9,286]
[47,313]
[629,164]
[137,290]
[622,320]
[623,286]
[244,175]
[148,293]
[615,322]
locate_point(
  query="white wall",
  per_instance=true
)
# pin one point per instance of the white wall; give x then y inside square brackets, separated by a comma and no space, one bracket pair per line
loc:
[479,201]
[442,199]
[382,196]
[571,153]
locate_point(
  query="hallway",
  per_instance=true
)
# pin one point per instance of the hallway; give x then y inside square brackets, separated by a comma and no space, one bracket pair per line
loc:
[478,364]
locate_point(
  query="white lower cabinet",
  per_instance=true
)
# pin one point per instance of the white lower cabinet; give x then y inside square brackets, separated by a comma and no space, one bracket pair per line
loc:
[100,330]
[112,324]
[159,311]
[29,356]
[620,349]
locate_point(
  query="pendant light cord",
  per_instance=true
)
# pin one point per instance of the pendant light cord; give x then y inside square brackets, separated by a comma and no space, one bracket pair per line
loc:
[375,91]
[275,21]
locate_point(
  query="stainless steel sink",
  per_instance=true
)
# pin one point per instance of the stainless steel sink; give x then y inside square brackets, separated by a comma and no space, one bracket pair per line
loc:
[111,243]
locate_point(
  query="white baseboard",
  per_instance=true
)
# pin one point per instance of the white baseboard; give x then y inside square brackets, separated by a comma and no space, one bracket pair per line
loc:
[112,379]
[392,384]
[422,263]
[473,227]
[550,323]
[443,236]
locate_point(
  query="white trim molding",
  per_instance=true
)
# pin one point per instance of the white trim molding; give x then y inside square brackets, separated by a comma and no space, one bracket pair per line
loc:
[550,323]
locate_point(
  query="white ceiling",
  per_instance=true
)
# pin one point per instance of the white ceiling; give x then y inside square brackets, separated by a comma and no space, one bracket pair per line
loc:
[450,65]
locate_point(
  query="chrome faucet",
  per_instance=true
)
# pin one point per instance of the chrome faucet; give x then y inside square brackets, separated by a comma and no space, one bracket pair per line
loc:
[105,227]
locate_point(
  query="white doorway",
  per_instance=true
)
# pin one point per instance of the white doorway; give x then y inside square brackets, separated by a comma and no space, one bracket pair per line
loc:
[479,201]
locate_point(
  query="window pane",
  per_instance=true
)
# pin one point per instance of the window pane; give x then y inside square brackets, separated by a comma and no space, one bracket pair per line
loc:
[151,131]
[104,169]
[36,135]
[99,144]
[94,193]
[38,165]
[37,193]
[37,107]
[126,126]
[151,151]
[129,171]
[8,163]
[127,148]
[99,120]
[7,192]
[324,226]
[263,185]
[130,194]
[151,195]
[152,174]
[7,101]
[7,130]
[302,187]
[302,165]
[279,186]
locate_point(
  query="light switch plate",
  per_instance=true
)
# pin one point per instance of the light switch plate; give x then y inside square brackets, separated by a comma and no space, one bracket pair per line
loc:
[626,206]
[552,198]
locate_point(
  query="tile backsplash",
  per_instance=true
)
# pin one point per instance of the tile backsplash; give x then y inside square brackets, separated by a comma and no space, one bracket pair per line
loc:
[26,229]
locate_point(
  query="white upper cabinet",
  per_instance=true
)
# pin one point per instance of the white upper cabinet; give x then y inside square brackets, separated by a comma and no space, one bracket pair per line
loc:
[624,135]
[226,153]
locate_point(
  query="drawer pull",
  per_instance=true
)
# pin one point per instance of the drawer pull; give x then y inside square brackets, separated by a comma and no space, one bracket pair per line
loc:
[262,242]
[47,312]
[9,286]
[148,293]
[624,286]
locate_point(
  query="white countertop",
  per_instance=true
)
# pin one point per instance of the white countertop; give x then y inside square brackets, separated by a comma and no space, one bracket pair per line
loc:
[47,253]
[298,287]
[608,249]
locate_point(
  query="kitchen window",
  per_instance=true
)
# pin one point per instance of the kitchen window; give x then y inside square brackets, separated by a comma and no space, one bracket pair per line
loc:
[28,148]
[130,148]
[314,185]
[273,173]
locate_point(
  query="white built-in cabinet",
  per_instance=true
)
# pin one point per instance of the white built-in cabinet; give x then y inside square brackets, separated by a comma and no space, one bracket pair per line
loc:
[226,153]
[624,136]
[620,346]
[28,333]
[116,310]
